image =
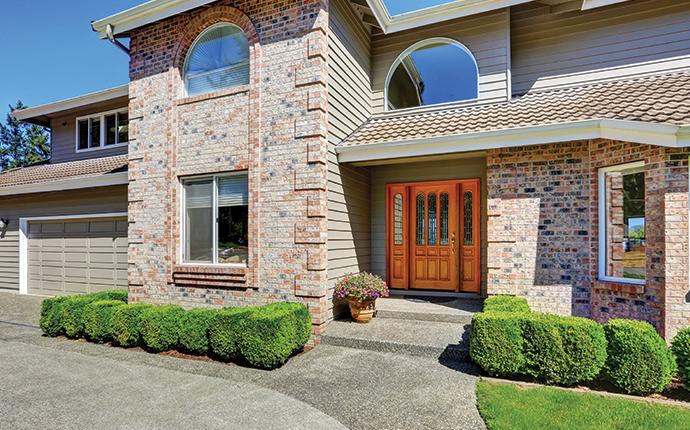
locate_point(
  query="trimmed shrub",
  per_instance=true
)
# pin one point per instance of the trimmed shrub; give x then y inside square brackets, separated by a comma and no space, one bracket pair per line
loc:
[681,350]
[506,304]
[126,324]
[193,330]
[268,337]
[159,326]
[639,361]
[98,320]
[562,350]
[72,315]
[225,329]
[496,343]
[120,295]
[301,318]
[51,316]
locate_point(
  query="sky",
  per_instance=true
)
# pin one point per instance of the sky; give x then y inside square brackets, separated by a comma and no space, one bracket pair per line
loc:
[50,53]
[448,73]
[396,7]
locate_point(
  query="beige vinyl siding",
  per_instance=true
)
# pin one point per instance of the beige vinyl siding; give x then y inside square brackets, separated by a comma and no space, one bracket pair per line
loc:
[349,92]
[63,134]
[628,39]
[487,36]
[461,168]
[77,202]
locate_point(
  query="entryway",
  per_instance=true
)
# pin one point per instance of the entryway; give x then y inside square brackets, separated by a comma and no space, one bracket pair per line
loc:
[433,235]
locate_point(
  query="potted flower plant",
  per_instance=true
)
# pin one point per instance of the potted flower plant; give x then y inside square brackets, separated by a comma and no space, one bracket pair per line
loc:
[361,291]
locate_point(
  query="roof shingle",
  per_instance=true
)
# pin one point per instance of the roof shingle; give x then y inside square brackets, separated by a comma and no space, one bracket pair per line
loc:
[663,99]
[60,171]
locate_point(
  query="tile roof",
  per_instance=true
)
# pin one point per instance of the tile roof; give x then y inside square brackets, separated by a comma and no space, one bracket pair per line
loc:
[74,169]
[663,99]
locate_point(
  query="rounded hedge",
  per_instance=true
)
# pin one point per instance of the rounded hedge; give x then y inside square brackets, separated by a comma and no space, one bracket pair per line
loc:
[225,330]
[98,320]
[51,316]
[267,337]
[193,330]
[159,325]
[506,304]
[120,295]
[639,361]
[126,324]
[496,343]
[681,350]
[72,315]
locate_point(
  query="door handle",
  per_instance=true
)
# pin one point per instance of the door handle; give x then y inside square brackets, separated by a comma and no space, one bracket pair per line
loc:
[452,243]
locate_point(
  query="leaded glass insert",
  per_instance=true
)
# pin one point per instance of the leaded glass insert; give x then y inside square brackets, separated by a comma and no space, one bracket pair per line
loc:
[443,221]
[433,227]
[398,219]
[419,223]
[468,235]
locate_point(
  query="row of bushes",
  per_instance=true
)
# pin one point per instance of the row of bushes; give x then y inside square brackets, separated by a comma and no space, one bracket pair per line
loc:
[264,337]
[508,340]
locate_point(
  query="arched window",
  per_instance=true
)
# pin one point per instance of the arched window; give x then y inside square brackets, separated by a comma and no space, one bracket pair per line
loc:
[431,72]
[218,59]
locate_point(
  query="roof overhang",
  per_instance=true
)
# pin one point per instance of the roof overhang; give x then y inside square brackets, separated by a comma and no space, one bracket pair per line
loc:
[143,14]
[629,131]
[41,114]
[106,180]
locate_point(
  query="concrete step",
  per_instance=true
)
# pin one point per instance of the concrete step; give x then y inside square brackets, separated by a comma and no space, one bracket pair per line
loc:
[459,311]
[436,339]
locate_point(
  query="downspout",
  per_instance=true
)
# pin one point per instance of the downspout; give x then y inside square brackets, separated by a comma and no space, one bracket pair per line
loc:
[111,38]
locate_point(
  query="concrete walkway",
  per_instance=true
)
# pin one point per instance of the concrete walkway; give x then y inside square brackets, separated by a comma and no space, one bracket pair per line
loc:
[57,383]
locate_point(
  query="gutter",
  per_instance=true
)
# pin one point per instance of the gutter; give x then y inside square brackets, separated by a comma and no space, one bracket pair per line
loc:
[665,135]
[111,38]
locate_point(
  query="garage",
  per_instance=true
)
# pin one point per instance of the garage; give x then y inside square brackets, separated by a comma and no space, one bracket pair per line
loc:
[76,256]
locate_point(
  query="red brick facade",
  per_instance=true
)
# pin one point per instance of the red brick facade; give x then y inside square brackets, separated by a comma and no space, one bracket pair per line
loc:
[274,128]
[543,231]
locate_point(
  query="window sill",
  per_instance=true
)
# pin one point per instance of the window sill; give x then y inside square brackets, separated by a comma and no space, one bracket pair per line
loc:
[622,285]
[211,276]
[214,95]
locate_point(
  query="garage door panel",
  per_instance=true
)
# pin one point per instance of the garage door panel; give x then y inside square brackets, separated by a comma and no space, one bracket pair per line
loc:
[77,256]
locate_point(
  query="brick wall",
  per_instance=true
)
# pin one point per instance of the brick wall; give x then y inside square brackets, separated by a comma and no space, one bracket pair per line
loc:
[543,231]
[274,128]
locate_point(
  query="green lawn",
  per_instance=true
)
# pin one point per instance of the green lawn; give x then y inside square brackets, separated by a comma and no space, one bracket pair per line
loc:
[509,407]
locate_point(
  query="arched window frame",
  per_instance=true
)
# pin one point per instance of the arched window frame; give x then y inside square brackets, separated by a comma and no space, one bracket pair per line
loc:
[416,46]
[196,40]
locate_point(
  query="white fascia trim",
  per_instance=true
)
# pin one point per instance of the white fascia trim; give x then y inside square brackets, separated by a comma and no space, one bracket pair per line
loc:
[146,13]
[24,240]
[73,103]
[593,4]
[105,180]
[630,131]
[434,14]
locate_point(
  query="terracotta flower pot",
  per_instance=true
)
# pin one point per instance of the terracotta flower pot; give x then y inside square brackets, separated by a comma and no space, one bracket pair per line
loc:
[362,311]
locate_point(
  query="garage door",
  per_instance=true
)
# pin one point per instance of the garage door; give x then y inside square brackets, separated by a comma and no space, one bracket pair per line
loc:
[77,256]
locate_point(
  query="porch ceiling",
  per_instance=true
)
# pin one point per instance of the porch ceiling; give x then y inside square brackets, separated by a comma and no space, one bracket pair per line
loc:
[653,109]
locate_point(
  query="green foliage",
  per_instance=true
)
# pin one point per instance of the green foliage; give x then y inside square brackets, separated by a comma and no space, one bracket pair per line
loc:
[51,316]
[549,348]
[159,327]
[72,315]
[496,343]
[639,361]
[681,350]
[506,304]
[225,329]
[301,318]
[193,330]
[98,319]
[22,144]
[126,324]
[120,295]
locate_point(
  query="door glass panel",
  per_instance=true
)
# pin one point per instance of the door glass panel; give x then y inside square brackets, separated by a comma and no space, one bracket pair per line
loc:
[419,224]
[468,236]
[398,219]
[432,219]
[443,221]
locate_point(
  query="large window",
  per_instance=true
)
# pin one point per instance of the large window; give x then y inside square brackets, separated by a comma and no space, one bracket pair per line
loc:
[216,219]
[102,130]
[622,229]
[218,59]
[431,72]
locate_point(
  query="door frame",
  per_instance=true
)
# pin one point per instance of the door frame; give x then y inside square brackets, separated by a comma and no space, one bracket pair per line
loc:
[24,240]
[394,188]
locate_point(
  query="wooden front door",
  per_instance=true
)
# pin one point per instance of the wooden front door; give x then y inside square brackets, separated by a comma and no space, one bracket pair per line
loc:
[433,236]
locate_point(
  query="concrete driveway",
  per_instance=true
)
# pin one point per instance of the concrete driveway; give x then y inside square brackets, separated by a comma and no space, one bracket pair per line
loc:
[57,383]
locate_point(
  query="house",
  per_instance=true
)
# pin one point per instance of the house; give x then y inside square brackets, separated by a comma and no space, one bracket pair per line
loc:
[263,149]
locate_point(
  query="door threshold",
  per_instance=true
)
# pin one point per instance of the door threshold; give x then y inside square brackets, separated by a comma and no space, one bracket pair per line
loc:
[423,293]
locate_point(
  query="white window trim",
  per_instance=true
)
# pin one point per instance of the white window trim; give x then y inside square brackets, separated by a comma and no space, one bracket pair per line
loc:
[602,224]
[415,47]
[101,116]
[183,223]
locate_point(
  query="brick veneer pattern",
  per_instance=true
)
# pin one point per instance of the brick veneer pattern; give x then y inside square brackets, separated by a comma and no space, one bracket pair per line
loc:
[275,128]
